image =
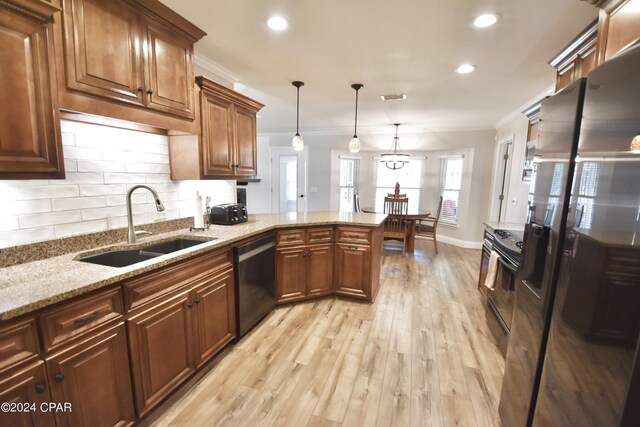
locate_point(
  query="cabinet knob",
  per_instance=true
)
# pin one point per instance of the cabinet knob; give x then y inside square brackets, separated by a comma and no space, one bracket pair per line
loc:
[189,305]
[150,92]
[58,377]
[140,89]
[40,388]
[197,300]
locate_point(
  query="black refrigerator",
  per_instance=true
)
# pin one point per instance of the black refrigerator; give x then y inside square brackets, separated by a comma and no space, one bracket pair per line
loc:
[573,351]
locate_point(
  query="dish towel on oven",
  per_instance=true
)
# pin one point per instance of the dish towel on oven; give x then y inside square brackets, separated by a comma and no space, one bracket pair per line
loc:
[490,280]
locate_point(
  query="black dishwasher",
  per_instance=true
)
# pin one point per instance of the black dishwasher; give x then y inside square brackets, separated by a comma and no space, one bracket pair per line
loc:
[255,280]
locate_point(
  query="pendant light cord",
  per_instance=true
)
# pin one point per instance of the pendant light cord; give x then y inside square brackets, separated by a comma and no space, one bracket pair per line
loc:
[355,126]
[297,109]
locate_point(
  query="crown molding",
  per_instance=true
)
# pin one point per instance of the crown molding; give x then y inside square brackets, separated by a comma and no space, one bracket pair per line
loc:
[518,112]
[214,67]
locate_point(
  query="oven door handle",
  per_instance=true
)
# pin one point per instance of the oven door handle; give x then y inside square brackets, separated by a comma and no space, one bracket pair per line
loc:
[508,265]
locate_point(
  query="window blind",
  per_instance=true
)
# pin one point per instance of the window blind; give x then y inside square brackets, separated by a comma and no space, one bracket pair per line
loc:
[450,188]
[349,182]
[410,178]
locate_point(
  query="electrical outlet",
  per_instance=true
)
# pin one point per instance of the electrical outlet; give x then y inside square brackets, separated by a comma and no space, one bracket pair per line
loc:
[514,201]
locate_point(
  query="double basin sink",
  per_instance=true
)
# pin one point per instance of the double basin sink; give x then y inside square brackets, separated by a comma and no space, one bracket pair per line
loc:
[125,257]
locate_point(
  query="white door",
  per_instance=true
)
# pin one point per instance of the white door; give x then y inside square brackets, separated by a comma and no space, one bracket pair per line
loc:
[288,180]
[502,177]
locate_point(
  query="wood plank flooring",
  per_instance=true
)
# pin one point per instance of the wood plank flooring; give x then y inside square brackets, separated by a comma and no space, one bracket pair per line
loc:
[420,355]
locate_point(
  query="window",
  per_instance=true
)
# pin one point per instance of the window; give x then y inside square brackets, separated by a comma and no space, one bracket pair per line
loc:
[587,192]
[410,178]
[450,186]
[349,180]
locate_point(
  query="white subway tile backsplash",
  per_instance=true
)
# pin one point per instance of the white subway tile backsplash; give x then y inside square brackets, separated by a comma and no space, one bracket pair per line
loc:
[9,223]
[79,178]
[49,218]
[123,178]
[101,190]
[28,235]
[134,167]
[28,192]
[106,212]
[64,230]
[82,153]
[102,164]
[78,203]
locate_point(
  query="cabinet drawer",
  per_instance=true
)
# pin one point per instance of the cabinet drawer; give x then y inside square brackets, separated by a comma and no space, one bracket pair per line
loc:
[18,342]
[70,320]
[320,235]
[290,237]
[354,235]
[149,287]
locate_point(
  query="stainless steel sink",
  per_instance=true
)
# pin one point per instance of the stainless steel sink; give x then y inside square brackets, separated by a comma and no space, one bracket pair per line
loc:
[125,257]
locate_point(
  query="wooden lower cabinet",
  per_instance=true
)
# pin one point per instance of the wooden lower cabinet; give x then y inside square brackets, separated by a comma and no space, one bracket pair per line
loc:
[161,349]
[353,270]
[26,385]
[214,304]
[290,274]
[93,377]
[304,272]
[319,267]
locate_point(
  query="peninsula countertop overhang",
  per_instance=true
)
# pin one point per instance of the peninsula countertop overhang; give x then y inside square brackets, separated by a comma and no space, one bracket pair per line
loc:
[31,286]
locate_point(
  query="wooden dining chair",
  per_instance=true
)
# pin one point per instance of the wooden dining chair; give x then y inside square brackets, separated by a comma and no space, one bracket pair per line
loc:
[396,226]
[427,227]
[397,196]
[356,202]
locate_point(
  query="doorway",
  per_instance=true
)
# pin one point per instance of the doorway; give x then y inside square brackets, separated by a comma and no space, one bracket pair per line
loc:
[503,172]
[288,180]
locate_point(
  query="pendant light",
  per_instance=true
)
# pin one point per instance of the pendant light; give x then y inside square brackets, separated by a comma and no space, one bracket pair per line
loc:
[297,143]
[354,144]
[393,159]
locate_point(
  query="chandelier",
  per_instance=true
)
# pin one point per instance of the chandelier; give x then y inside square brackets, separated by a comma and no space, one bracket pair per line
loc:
[394,159]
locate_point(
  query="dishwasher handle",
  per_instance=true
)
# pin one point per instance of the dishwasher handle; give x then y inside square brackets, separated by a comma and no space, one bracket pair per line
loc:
[255,251]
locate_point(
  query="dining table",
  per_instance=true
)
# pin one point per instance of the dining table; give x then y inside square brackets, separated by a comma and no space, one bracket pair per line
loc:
[413,216]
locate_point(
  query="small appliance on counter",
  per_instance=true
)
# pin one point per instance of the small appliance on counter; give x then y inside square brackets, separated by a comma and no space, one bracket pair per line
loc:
[228,214]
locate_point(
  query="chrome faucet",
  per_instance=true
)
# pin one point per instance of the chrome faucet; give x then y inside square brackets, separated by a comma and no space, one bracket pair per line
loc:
[131,236]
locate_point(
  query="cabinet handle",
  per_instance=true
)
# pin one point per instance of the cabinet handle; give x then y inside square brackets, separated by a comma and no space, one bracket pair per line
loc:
[140,89]
[189,305]
[197,300]
[150,92]
[86,319]
[58,377]
[353,248]
[40,388]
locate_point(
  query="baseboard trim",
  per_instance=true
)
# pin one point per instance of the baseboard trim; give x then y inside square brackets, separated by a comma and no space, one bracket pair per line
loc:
[461,243]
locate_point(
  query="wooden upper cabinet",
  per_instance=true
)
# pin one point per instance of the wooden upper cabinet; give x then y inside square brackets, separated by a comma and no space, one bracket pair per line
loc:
[103,41]
[131,54]
[170,79]
[30,139]
[578,58]
[245,142]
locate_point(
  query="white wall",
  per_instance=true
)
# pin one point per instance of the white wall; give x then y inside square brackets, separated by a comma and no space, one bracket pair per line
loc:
[324,152]
[102,164]
[517,191]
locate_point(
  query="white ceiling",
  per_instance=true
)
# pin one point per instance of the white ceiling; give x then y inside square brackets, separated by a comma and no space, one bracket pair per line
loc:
[404,46]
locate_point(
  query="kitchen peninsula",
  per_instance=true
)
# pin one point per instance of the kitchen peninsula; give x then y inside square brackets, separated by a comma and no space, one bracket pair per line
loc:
[161,319]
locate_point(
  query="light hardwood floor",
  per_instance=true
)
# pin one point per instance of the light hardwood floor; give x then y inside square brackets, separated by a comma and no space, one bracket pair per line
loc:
[421,355]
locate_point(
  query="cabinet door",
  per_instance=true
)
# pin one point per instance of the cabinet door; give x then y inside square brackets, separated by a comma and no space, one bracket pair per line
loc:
[161,350]
[217,135]
[103,50]
[319,270]
[30,139]
[290,274]
[25,385]
[93,377]
[214,306]
[245,156]
[353,270]
[169,67]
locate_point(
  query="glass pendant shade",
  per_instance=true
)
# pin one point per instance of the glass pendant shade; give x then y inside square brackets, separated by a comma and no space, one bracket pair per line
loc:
[354,144]
[297,143]
[393,159]
[635,144]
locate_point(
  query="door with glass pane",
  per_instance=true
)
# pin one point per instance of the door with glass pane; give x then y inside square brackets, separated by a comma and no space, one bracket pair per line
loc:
[288,180]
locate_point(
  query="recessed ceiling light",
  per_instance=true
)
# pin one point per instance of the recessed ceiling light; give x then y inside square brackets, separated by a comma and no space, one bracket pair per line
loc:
[396,97]
[465,69]
[486,20]
[277,23]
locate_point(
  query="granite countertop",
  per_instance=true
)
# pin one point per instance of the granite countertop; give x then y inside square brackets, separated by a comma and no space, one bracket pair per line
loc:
[30,286]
